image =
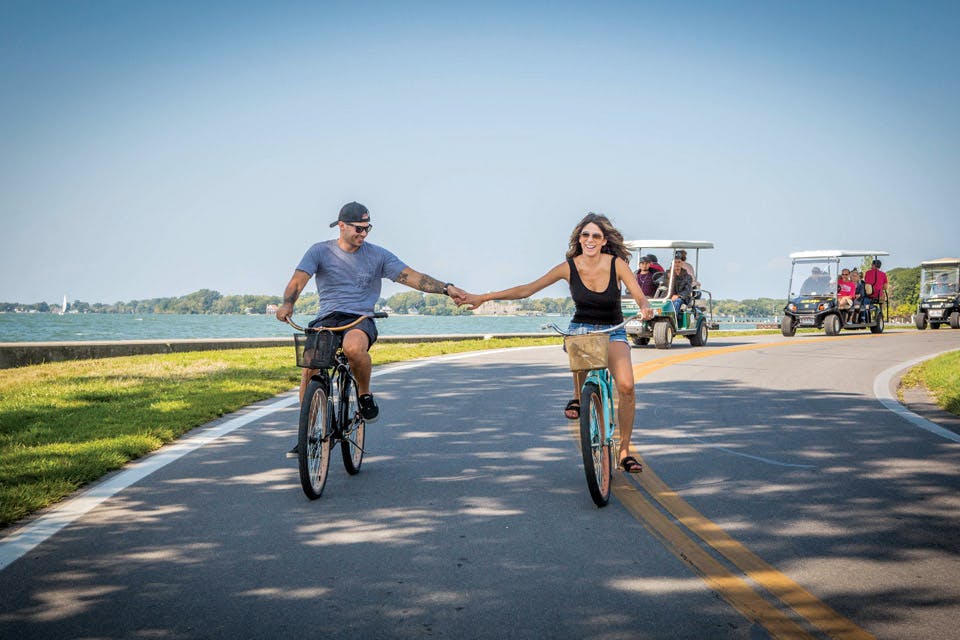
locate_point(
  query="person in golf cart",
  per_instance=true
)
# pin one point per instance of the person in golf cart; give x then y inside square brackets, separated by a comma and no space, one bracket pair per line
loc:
[860,300]
[817,284]
[680,283]
[942,286]
[846,290]
[647,276]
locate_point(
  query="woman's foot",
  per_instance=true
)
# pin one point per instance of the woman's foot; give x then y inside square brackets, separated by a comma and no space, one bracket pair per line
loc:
[572,410]
[631,464]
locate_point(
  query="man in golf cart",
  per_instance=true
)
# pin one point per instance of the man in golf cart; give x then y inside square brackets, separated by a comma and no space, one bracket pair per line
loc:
[680,283]
[817,284]
[942,286]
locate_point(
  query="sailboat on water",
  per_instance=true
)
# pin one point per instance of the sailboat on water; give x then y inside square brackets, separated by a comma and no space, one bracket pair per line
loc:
[63,307]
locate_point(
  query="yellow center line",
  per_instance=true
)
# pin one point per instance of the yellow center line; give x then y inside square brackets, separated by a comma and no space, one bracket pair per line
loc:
[731,588]
[736,591]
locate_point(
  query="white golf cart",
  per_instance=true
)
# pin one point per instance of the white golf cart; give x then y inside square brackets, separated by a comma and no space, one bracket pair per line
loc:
[694,319]
[813,301]
[939,294]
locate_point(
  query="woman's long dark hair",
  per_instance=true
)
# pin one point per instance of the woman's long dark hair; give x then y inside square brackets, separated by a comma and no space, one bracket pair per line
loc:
[615,245]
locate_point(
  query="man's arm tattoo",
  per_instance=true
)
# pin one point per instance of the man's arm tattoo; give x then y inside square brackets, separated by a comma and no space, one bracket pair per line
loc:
[429,285]
[421,282]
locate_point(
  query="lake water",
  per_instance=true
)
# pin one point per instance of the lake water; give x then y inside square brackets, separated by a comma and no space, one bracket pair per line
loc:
[49,327]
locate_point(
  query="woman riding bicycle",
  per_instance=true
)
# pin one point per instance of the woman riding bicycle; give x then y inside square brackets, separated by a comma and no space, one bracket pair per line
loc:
[596,267]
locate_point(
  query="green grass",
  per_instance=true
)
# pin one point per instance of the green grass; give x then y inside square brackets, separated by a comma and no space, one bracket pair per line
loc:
[64,425]
[941,375]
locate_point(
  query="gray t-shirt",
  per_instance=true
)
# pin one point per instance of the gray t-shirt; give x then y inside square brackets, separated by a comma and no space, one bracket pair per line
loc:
[349,282]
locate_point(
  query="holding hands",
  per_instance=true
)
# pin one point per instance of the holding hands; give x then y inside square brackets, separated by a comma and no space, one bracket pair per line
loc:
[472,300]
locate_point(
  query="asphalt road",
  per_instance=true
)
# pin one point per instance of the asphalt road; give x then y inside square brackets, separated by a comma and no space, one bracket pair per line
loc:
[781,499]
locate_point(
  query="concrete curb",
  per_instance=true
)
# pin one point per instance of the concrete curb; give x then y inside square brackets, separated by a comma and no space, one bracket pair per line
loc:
[884,388]
[21,354]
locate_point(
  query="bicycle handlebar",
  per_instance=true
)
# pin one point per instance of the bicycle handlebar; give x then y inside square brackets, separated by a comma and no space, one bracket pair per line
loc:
[566,333]
[379,314]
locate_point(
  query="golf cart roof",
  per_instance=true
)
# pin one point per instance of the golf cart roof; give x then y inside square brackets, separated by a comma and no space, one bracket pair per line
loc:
[941,262]
[668,244]
[835,253]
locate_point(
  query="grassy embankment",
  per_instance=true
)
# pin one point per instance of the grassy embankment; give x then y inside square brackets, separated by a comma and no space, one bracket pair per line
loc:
[67,424]
[941,375]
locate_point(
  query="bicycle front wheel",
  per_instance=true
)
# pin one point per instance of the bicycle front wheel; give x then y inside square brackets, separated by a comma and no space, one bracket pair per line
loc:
[596,452]
[313,442]
[352,427]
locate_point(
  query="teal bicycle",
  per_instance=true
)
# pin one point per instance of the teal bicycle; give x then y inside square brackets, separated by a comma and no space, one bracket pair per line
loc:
[588,354]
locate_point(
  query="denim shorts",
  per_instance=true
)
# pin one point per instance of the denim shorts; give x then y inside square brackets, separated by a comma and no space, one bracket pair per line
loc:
[619,335]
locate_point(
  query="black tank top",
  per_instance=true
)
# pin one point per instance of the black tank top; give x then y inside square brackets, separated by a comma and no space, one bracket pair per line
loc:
[594,307]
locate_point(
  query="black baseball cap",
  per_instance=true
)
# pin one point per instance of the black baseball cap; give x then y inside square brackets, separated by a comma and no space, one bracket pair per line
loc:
[352,212]
[648,258]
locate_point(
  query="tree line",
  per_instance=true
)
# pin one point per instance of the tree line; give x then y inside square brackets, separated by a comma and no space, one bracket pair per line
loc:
[905,282]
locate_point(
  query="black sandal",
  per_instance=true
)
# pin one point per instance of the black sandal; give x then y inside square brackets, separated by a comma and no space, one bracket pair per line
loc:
[631,465]
[572,407]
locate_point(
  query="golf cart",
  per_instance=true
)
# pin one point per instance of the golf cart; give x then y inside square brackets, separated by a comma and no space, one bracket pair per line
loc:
[693,321]
[813,301]
[939,294]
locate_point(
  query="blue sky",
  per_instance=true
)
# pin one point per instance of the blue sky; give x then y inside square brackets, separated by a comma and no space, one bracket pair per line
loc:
[151,149]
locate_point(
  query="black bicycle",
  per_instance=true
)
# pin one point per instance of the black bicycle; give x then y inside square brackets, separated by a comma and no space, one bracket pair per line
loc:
[330,411]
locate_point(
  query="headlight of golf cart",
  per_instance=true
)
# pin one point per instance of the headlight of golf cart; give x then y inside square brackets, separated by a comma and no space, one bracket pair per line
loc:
[821,306]
[791,307]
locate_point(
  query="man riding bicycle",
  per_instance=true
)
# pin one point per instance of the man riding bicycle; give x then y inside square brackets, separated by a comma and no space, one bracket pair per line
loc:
[349,273]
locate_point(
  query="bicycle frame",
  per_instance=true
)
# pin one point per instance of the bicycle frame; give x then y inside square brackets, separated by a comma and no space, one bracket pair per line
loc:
[340,371]
[604,381]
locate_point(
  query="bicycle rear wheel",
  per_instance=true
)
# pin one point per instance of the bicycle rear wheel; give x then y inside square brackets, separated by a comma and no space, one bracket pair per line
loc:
[352,427]
[313,442]
[597,454]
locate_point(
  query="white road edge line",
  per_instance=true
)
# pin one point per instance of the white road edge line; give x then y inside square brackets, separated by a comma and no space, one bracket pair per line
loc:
[881,389]
[24,539]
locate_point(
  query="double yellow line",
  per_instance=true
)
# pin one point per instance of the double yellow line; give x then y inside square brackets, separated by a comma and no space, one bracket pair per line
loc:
[672,532]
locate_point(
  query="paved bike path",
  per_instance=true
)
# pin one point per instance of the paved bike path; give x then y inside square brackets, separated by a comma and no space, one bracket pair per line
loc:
[469,519]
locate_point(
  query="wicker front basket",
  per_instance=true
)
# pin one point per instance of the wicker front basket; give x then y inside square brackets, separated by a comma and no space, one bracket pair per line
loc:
[588,351]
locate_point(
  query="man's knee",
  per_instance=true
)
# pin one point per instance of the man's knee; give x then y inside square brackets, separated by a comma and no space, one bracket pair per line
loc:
[355,346]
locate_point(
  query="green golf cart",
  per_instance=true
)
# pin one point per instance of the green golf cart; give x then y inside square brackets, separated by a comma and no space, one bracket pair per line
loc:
[695,318]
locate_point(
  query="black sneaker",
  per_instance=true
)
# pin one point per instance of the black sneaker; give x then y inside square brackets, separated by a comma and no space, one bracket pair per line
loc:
[295,452]
[369,410]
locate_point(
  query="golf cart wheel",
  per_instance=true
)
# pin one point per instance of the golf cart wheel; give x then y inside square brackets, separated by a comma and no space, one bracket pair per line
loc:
[787,326]
[831,324]
[878,328]
[955,320]
[639,342]
[700,337]
[662,335]
[920,320]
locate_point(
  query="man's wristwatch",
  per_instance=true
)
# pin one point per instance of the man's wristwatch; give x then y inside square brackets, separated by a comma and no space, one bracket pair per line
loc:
[445,292]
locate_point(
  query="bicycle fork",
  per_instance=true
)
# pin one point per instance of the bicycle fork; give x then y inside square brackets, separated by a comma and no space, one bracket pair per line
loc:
[601,378]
